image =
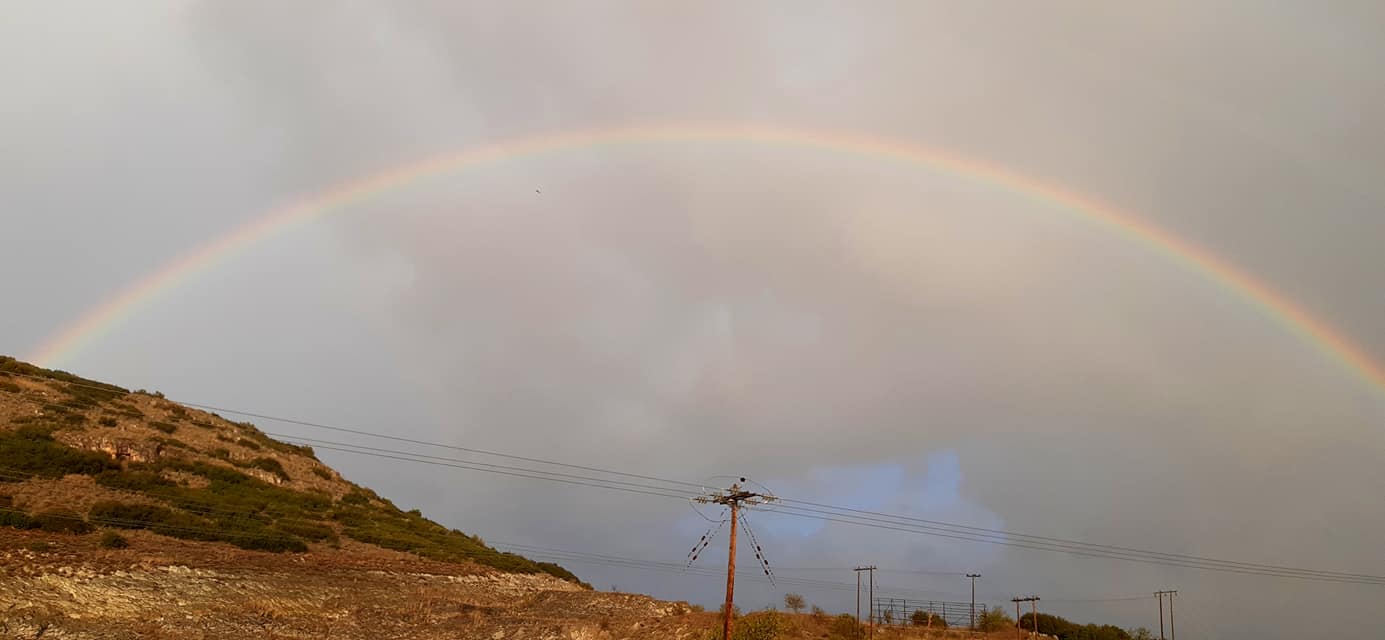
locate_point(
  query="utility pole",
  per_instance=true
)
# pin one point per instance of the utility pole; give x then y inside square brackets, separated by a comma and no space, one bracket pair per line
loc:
[870,595]
[858,597]
[1034,612]
[1160,594]
[973,577]
[733,498]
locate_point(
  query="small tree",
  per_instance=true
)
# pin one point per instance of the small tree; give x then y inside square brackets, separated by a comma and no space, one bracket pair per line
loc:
[994,619]
[794,602]
[920,618]
[818,612]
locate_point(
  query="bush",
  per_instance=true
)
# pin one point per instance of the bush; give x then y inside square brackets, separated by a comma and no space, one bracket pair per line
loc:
[106,421]
[61,521]
[322,473]
[844,627]
[172,443]
[248,444]
[16,519]
[315,531]
[113,540]
[763,625]
[993,619]
[163,426]
[31,449]
[6,385]
[39,547]
[794,602]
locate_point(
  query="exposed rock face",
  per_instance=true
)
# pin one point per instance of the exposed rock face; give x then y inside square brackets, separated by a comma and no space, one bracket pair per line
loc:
[124,449]
[263,476]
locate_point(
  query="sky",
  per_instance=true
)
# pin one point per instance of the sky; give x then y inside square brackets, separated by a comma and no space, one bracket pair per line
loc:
[839,327]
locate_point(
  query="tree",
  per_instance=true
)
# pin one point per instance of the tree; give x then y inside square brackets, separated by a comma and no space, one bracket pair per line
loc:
[794,602]
[994,619]
[1141,634]
[920,618]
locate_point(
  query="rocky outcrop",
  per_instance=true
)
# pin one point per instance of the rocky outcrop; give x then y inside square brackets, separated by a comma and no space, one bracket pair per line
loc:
[124,449]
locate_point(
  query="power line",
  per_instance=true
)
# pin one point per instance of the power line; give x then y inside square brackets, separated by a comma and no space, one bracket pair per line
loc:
[846,515]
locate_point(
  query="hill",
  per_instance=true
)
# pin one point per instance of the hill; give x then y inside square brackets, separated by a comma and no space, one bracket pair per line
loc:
[126,515]
[77,454]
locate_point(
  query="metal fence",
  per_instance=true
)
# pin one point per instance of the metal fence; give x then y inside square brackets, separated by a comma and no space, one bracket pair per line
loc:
[900,611]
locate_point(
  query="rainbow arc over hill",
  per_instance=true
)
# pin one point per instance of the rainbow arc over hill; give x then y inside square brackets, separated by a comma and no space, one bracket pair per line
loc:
[99,320]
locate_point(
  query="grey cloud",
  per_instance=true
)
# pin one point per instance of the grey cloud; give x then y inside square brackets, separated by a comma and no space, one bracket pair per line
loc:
[690,310]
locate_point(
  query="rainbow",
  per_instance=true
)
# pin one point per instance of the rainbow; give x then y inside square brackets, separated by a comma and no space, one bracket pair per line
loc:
[99,320]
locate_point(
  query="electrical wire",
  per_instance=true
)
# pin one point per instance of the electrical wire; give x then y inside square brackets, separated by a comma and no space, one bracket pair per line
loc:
[809,509]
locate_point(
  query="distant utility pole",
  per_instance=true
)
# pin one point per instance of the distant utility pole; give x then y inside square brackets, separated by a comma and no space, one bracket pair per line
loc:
[870,596]
[973,577]
[1034,612]
[1160,594]
[733,498]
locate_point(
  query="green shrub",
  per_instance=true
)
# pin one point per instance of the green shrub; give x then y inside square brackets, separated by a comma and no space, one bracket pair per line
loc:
[61,521]
[163,426]
[248,444]
[39,547]
[277,544]
[314,531]
[16,519]
[6,385]
[113,540]
[322,473]
[221,453]
[136,480]
[106,421]
[763,625]
[172,443]
[31,449]
[355,496]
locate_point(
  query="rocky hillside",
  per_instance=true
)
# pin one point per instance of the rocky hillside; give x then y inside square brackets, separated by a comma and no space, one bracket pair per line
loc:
[126,515]
[78,455]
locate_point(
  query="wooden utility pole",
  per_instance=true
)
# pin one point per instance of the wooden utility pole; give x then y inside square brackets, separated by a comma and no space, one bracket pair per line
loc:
[1160,594]
[973,577]
[1034,612]
[733,498]
[870,596]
